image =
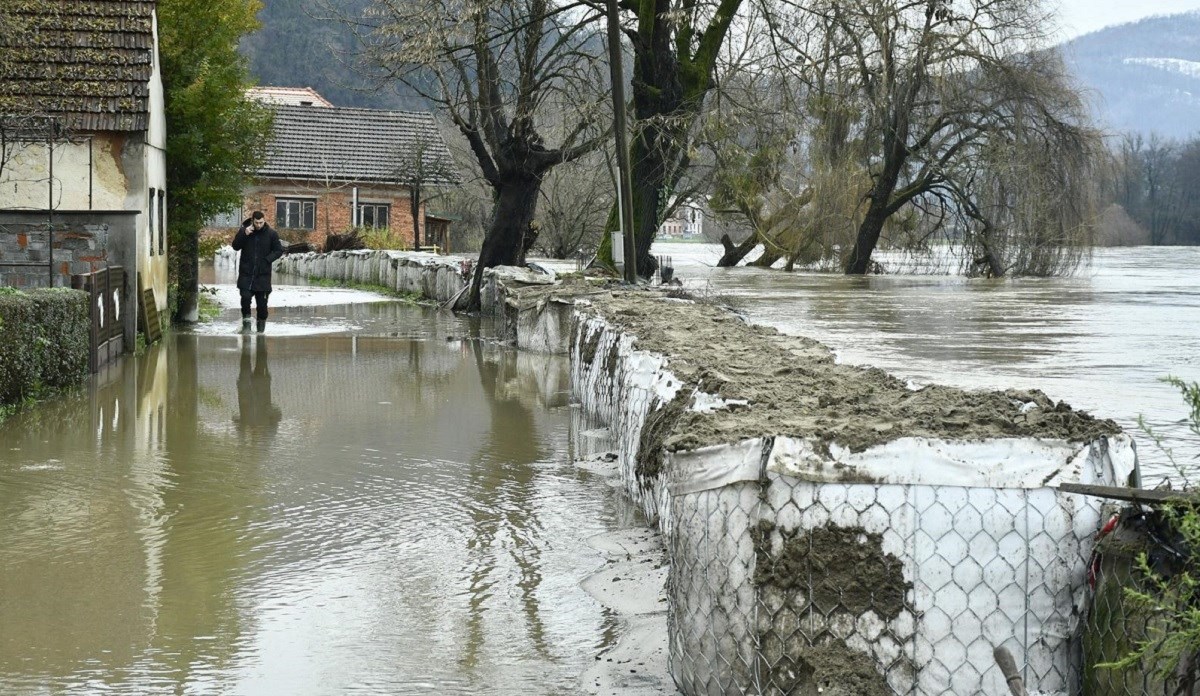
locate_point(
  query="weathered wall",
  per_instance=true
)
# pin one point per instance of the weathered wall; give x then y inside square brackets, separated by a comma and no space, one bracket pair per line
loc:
[800,565]
[83,241]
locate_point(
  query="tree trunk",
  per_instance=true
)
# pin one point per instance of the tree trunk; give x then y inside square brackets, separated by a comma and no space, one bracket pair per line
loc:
[504,243]
[187,250]
[770,255]
[859,261]
[651,160]
[414,208]
[734,254]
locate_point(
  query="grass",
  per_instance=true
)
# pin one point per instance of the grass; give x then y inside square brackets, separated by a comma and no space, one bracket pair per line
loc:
[408,297]
[207,306]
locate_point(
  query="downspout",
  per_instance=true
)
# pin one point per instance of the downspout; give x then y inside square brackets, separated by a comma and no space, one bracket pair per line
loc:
[354,208]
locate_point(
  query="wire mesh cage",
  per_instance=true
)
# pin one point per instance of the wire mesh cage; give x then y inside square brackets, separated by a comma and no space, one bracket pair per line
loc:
[785,586]
[794,577]
[1139,548]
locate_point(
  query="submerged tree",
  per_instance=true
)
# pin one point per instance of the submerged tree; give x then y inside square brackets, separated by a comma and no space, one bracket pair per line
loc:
[964,126]
[508,74]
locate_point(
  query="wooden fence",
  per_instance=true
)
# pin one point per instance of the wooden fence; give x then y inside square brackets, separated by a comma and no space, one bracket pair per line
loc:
[109,303]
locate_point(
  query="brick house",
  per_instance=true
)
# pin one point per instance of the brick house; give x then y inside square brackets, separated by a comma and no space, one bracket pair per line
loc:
[331,169]
[83,163]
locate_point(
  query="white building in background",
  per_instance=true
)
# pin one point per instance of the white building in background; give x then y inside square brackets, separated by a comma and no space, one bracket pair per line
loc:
[687,222]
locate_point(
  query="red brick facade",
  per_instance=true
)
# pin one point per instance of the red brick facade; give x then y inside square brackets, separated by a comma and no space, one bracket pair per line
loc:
[333,209]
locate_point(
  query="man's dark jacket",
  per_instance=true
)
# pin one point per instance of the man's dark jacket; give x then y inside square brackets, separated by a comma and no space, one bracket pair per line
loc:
[259,251]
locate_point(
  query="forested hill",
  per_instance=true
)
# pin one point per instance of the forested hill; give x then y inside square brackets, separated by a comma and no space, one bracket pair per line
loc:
[1145,75]
[297,48]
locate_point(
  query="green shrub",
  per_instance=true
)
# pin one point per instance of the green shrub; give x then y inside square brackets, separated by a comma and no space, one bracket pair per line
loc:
[382,238]
[1168,597]
[44,336]
[208,246]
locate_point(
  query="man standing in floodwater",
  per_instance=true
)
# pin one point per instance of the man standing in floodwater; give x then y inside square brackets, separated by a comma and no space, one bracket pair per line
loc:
[260,247]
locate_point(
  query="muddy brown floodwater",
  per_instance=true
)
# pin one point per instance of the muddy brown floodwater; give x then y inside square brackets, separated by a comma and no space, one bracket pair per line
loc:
[368,499]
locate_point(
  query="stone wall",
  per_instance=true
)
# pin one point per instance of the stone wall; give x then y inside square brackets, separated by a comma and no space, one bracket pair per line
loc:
[79,247]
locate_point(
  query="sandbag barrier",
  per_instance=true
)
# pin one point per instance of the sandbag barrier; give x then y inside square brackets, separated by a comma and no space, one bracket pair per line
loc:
[433,277]
[797,566]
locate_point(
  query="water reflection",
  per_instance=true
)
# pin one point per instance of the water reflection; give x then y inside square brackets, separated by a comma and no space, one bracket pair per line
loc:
[257,413]
[307,514]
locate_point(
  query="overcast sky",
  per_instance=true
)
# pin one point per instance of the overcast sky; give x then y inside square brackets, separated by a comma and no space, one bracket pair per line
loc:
[1081,16]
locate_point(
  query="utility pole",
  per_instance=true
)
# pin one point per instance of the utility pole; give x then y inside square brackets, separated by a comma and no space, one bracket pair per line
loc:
[624,192]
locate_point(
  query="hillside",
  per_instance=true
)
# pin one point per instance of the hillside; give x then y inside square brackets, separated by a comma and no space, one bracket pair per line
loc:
[298,47]
[1144,76]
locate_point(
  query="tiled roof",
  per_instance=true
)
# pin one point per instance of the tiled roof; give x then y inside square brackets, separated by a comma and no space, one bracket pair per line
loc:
[86,61]
[343,144]
[294,96]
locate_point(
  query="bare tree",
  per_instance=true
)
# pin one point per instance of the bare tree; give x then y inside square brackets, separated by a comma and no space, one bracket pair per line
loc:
[576,200]
[505,72]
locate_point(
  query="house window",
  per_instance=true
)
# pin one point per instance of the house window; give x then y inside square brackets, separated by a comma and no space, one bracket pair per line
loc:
[373,214]
[162,221]
[295,213]
[150,208]
[231,218]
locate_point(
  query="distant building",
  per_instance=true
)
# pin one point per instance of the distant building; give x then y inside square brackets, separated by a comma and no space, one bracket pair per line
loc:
[288,96]
[687,222]
[330,169]
[83,167]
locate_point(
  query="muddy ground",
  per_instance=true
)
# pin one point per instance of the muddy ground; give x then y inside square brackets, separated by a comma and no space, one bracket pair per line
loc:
[794,388]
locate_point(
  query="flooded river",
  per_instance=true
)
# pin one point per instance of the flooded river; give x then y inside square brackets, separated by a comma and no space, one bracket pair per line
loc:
[387,508]
[1100,340]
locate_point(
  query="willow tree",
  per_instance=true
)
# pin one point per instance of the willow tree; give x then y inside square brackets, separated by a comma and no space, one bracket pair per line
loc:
[959,103]
[509,74]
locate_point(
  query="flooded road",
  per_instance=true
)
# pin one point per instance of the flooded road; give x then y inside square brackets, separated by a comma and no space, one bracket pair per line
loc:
[1100,340]
[370,499]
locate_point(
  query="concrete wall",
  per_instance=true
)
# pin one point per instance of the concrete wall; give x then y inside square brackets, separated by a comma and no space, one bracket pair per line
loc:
[83,241]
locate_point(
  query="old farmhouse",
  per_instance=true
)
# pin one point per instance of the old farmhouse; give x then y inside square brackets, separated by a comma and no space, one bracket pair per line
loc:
[83,156]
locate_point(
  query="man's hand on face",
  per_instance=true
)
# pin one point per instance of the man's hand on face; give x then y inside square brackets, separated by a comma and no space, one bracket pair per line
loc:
[255,226]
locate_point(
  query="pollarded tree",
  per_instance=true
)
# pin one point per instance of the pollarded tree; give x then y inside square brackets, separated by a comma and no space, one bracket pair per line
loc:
[944,87]
[508,74]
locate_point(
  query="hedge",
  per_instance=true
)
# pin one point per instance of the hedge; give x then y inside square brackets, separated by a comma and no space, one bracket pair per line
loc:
[44,338]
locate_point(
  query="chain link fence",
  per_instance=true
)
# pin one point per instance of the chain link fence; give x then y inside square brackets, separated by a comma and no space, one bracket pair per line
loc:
[784,586]
[1116,624]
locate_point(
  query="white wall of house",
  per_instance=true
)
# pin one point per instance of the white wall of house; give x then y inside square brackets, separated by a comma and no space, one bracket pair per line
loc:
[152,156]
